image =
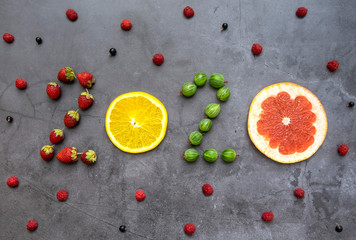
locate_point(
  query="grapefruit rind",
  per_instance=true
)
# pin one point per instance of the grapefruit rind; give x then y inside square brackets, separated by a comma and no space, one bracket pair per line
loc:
[154,101]
[262,143]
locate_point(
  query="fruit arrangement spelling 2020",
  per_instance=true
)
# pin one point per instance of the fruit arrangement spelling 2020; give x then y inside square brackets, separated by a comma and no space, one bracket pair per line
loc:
[286,122]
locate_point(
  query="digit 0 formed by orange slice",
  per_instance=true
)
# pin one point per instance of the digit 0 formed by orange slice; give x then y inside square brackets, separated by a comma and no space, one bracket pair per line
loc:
[287,122]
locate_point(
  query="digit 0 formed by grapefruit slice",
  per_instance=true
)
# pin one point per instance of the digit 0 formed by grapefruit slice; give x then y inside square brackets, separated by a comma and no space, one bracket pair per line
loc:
[287,122]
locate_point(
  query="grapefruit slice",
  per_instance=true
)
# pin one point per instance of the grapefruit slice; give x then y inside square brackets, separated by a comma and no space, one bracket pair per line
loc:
[287,122]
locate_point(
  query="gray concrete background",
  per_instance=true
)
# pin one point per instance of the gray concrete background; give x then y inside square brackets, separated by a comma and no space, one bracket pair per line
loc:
[101,197]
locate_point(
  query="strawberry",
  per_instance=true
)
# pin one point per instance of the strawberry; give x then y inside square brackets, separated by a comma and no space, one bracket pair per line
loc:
[126,25]
[88,157]
[47,152]
[20,83]
[53,90]
[86,79]
[71,14]
[8,37]
[66,74]
[343,149]
[71,119]
[85,100]
[56,136]
[68,155]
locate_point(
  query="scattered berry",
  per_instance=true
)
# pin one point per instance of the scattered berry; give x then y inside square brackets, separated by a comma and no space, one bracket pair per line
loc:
[188,12]
[12,181]
[47,152]
[86,79]
[140,195]
[256,49]
[112,51]
[122,228]
[224,26]
[38,40]
[126,25]
[62,195]
[267,216]
[343,149]
[333,65]
[338,228]
[66,75]
[68,155]
[301,12]
[72,15]
[351,104]
[207,189]
[85,100]
[20,83]
[71,119]
[88,157]
[189,228]
[299,193]
[158,59]
[9,119]
[8,37]
[31,225]
[53,90]
[56,136]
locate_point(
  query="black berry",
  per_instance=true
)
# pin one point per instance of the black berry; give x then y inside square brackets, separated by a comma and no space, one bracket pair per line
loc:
[351,104]
[9,119]
[338,228]
[122,228]
[38,40]
[224,26]
[112,51]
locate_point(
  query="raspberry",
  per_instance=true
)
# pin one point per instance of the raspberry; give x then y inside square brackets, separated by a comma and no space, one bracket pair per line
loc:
[158,59]
[343,149]
[12,181]
[62,195]
[189,228]
[20,83]
[207,189]
[188,12]
[72,15]
[299,193]
[8,37]
[140,195]
[333,65]
[126,25]
[267,216]
[31,225]
[256,49]
[301,12]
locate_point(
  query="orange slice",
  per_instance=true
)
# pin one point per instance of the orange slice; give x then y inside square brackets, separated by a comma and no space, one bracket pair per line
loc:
[287,122]
[136,122]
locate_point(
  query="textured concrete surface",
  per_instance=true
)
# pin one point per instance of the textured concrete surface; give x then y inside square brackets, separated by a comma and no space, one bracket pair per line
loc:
[101,197]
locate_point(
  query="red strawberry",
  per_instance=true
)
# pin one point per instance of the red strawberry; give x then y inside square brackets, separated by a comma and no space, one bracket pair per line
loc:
[158,59]
[301,12]
[88,157]
[12,181]
[47,152]
[20,83]
[68,155]
[72,15]
[126,25]
[256,49]
[71,119]
[85,100]
[56,136]
[333,65]
[86,79]
[267,216]
[343,149]
[188,12]
[53,90]
[8,37]
[66,74]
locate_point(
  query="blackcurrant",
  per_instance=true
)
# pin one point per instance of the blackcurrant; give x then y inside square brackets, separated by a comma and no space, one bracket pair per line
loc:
[122,228]
[224,26]
[112,51]
[38,40]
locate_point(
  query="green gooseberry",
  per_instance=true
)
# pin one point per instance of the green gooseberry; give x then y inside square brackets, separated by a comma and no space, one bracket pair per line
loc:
[223,94]
[229,155]
[205,125]
[195,138]
[189,89]
[191,155]
[210,155]
[212,110]
[217,80]
[200,79]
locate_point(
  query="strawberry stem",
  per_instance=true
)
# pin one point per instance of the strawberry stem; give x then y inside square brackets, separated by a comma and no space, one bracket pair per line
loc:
[79,153]
[87,91]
